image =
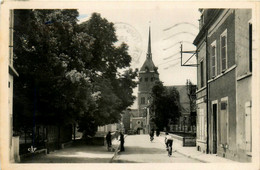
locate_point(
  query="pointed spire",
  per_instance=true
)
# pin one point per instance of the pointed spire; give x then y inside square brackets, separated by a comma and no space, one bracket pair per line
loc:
[149,52]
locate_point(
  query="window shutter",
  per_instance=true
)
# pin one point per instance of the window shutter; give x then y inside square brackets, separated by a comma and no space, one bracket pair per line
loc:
[223,52]
[202,124]
[248,133]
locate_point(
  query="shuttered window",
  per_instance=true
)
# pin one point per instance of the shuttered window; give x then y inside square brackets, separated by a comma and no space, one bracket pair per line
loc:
[201,74]
[223,122]
[213,59]
[223,50]
[201,124]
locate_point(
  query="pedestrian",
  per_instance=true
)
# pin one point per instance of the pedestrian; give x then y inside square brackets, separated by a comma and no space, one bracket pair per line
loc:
[151,135]
[122,141]
[157,132]
[108,139]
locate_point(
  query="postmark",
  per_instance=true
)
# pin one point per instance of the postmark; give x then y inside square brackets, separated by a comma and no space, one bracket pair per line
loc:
[128,34]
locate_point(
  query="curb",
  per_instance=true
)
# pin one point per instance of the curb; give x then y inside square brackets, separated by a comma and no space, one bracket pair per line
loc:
[188,156]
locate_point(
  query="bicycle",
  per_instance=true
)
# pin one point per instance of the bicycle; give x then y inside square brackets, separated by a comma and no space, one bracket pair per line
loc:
[169,149]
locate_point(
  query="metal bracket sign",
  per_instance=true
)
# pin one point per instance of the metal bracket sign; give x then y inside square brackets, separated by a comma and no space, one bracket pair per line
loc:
[185,63]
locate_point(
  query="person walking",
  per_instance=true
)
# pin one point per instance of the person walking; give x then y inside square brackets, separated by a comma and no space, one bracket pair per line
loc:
[108,139]
[151,135]
[122,141]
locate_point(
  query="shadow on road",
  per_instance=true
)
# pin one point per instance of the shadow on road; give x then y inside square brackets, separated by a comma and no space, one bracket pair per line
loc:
[142,150]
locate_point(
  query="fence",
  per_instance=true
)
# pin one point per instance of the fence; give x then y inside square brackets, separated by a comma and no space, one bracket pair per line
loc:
[44,137]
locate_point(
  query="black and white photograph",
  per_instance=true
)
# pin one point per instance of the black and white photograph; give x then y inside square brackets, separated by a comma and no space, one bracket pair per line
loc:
[116,84]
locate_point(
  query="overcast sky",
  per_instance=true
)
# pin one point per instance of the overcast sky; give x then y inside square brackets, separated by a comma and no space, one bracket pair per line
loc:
[169,25]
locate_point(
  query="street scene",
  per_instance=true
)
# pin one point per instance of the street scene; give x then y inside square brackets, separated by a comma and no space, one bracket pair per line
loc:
[138,149]
[88,86]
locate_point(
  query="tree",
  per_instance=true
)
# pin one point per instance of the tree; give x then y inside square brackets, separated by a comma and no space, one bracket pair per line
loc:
[165,105]
[69,72]
[115,88]
[191,92]
[43,41]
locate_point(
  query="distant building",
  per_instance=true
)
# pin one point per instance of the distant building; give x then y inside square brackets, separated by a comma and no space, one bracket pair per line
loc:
[126,120]
[148,75]
[224,46]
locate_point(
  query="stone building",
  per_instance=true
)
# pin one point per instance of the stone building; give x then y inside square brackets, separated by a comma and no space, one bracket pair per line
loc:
[224,56]
[148,74]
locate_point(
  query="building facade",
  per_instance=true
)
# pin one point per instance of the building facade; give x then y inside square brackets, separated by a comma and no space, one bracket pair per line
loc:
[224,83]
[13,140]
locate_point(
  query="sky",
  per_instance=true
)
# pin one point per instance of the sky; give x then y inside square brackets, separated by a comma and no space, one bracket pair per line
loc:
[169,26]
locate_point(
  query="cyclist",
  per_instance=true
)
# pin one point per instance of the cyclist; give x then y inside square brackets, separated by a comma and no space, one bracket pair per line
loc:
[168,143]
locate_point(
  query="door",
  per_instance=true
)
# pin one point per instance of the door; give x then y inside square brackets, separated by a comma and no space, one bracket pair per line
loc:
[214,128]
[224,123]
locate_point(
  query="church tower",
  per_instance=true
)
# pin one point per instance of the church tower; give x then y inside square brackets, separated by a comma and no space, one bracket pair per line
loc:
[148,74]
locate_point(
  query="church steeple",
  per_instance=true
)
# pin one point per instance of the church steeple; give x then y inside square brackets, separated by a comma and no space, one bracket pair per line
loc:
[148,64]
[149,53]
[148,75]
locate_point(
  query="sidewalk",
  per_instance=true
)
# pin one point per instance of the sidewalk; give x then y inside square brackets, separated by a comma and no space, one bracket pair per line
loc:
[191,152]
[77,153]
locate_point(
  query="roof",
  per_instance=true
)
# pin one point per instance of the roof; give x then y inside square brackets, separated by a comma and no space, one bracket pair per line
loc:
[210,17]
[148,64]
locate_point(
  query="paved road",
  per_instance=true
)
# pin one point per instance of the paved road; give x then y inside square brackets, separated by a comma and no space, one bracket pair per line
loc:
[139,149]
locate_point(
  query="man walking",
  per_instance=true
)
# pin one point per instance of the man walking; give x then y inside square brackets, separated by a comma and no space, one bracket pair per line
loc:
[122,141]
[108,139]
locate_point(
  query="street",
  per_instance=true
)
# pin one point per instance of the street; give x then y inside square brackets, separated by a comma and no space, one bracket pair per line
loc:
[139,149]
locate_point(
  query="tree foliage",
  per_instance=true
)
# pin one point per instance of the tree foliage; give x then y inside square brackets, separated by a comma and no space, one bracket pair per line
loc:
[165,105]
[191,92]
[69,72]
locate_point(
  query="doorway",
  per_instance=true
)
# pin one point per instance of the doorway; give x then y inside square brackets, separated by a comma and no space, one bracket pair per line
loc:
[215,110]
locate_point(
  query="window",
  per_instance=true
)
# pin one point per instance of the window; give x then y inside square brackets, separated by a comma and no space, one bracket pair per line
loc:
[201,126]
[213,59]
[142,100]
[223,50]
[223,122]
[248,129]
[146,79]
[201,74]
[250,47]
[140,79]
[152,79]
